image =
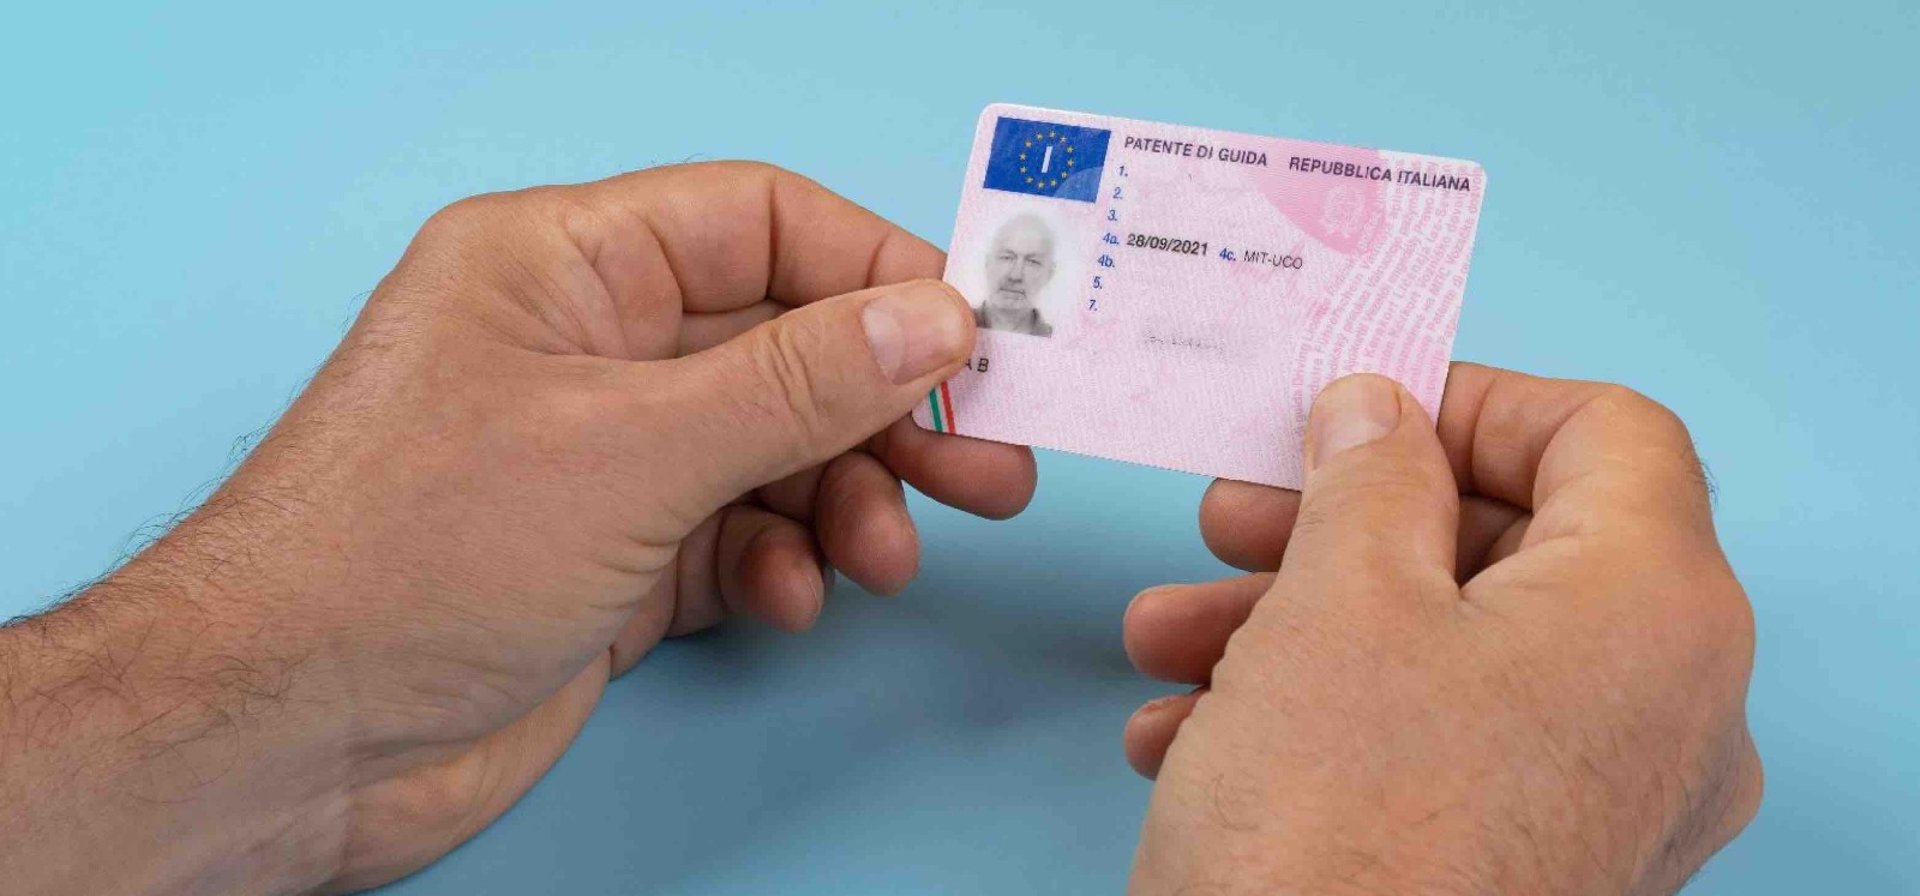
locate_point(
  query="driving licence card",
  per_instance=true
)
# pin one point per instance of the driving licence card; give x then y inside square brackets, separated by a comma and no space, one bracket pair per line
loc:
[1176,297]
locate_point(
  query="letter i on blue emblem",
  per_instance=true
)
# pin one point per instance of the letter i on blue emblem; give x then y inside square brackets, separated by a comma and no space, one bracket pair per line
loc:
[1047,159]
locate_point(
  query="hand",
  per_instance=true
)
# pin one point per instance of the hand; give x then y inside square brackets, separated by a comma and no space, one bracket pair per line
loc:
[572,421]
[1509,658]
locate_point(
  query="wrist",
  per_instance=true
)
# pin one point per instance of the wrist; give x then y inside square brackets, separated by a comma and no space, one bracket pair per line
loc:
[169,719]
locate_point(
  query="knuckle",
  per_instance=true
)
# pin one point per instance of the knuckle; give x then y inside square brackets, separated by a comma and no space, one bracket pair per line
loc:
[833,495]
[465,216]
[498,241]
[794,401]
[1313,522]
[1371,523]
[840,478]
[427,801]
[1730,797]
[1376,499]
[485,214]
[738,170]
[1663,427]
[1623,401]
[1713,621]
[1751,787]
[752,168]
[1728,614]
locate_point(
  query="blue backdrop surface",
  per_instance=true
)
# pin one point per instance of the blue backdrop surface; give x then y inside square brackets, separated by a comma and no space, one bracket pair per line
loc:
[1714,203]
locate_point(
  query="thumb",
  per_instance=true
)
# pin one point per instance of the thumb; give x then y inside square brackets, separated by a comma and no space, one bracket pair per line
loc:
[1380,511]
[808,385]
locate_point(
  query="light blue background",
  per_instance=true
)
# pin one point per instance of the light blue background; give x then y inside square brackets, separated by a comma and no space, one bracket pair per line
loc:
[1715,205]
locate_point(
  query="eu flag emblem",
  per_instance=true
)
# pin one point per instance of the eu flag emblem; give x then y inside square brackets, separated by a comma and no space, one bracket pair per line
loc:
[1047,159]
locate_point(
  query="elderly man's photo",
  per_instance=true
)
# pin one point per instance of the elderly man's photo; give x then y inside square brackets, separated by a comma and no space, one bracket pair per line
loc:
[1020,263]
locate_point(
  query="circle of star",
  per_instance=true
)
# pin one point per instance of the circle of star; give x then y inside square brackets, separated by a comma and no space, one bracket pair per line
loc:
[1043,183]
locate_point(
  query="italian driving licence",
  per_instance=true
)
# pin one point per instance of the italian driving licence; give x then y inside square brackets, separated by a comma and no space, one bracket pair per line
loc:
[1176,297]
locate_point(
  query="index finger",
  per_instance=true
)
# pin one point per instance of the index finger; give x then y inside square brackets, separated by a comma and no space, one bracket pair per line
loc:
[1514,441]
[719,236]
[1576,454]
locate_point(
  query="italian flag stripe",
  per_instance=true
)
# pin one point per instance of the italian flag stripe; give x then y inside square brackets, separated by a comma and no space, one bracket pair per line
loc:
[940,401]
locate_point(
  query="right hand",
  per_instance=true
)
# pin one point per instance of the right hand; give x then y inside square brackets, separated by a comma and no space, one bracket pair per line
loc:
[1507,657]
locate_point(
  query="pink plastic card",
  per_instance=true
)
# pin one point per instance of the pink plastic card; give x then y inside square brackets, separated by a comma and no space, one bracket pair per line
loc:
[1176,297]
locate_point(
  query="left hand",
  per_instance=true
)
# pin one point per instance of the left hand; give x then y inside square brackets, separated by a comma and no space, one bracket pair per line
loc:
[572,421]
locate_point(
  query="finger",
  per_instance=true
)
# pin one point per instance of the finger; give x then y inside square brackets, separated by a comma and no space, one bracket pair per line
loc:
[1379,515]
[1151,729]
[1607,455]
[1247,525]
[1506,544]
[741,559]
[699,332]
[802,388]
[991,479]
[792,496]
[734,233]
[767,568]
[1178,632]
[694,587]
[650,621]
[863,526]
[1488,531]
